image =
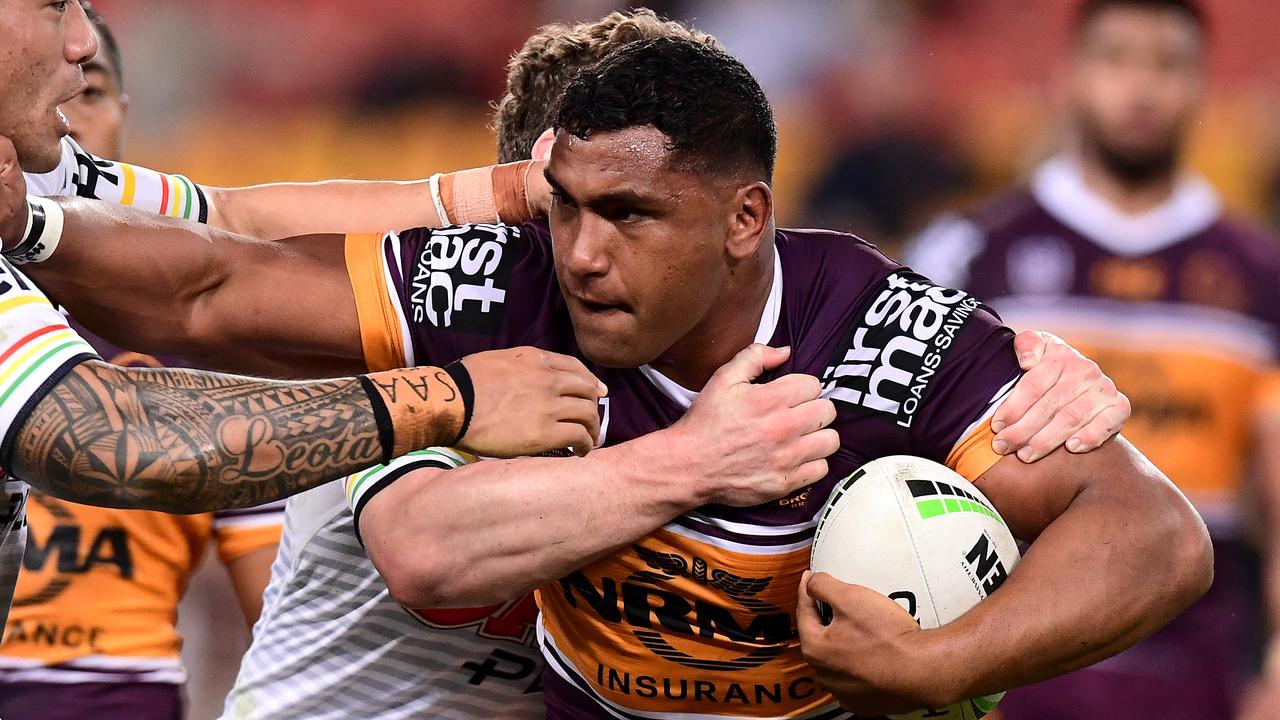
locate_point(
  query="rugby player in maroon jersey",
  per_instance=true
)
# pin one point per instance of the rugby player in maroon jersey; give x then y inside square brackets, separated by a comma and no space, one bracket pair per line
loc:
[672,300]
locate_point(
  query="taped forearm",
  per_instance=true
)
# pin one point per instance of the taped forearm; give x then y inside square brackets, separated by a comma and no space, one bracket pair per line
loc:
[494,194]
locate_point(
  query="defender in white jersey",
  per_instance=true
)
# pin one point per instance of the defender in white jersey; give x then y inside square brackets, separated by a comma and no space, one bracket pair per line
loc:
[36,349]
[85,175]
[332,643]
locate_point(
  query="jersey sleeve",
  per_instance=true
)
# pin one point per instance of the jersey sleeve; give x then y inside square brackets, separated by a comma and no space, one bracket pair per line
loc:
[920,372]
[85,175]
[361,487]
[37,348]
[237,533]
[431,296]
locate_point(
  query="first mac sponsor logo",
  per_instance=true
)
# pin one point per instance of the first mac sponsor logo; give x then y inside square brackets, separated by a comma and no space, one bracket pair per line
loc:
[898,343]
[460,278]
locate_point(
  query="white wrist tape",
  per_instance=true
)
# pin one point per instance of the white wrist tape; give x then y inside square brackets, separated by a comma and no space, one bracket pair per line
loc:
[44,231]
[434,184]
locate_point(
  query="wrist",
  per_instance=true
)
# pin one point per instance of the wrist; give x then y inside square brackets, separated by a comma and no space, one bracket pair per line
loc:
[421,407]
[938,668]
[657,461]
[42,231]
[493,194]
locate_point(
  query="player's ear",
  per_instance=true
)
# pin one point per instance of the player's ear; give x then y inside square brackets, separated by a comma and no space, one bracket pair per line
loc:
[752,215]
[542,146]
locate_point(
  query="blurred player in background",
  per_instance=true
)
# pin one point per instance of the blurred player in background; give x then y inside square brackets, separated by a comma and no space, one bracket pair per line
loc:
[1117,246]
[91,631]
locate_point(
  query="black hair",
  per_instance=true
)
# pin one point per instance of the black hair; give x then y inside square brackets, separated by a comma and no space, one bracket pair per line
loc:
[1089,10]
[713,112]
[109,44]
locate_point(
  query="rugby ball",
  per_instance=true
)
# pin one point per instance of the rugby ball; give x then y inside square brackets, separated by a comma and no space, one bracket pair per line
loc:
[921,534]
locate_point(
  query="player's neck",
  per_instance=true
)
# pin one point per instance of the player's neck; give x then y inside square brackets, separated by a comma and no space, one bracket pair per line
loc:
[1125,194]
[730,326]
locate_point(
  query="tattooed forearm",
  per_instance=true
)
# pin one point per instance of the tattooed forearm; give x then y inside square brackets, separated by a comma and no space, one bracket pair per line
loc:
[188,441]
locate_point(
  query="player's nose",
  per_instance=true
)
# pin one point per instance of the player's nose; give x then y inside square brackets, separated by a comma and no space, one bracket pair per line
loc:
[588,249]
[81,42]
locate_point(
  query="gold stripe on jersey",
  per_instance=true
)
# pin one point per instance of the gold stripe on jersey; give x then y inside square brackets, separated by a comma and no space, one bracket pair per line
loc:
[380,331]
[973,455]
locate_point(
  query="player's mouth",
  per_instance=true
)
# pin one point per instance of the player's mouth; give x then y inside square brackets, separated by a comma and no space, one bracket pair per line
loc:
[602,308]
[62,123]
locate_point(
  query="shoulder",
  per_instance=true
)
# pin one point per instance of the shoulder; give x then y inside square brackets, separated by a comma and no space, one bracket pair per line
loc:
[834,263]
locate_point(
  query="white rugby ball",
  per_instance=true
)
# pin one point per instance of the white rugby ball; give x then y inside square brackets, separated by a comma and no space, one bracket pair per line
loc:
[921,534]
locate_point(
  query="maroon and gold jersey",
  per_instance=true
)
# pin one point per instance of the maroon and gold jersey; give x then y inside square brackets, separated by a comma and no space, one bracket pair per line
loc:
[1180,305]
[697,619]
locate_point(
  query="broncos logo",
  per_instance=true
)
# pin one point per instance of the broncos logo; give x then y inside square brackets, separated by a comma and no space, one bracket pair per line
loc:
[665,566]
[669,566]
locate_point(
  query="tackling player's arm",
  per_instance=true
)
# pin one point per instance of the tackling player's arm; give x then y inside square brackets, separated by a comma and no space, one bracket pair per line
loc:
[283,210]
[155,284]
[1116,552]
[495,530]
[270,212]
[288,309]
[188,441]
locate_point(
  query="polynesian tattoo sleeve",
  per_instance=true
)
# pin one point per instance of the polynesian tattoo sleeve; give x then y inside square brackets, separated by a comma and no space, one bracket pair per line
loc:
[188,441]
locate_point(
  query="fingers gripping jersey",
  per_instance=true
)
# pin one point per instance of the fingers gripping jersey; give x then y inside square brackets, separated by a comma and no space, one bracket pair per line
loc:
[37,348]
[698,618]
[88,176]
[332,644]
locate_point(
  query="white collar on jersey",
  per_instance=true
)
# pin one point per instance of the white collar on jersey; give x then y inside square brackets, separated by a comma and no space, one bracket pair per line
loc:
[1058,185]
[764,333]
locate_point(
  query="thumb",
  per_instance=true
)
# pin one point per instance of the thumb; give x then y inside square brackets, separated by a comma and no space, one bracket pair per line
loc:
[1030,346]
[749,364]
[808,617]
[824,588]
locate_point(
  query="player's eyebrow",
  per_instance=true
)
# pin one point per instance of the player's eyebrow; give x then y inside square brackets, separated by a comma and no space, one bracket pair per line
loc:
[629,198]
[556,187]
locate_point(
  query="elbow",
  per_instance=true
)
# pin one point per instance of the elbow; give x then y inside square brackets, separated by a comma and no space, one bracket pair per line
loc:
[223,211]
[1195,558]
[418,579]
[1189,555]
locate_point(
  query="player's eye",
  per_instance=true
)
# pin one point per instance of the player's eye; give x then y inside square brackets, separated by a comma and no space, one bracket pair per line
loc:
[61,6]
[620,214]
[561,199]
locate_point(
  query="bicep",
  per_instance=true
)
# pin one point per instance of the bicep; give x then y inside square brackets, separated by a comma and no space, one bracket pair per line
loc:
[284,309]
[1030,496]
[382,515]
[163,286]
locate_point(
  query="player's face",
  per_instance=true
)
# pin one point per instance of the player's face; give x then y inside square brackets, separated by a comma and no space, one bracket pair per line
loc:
[97,114]
[1138,84]
[44,44]
[639,247]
